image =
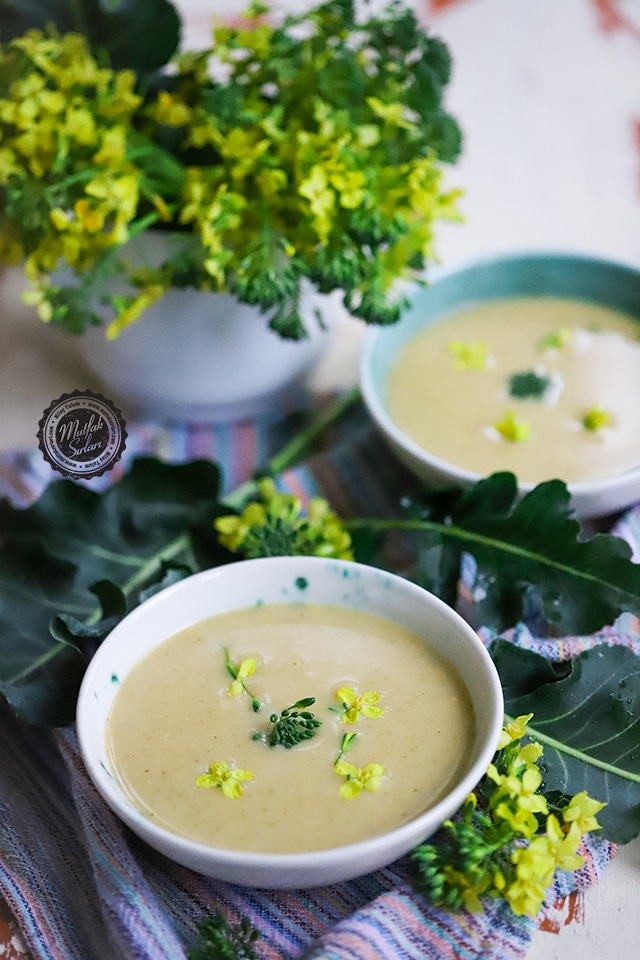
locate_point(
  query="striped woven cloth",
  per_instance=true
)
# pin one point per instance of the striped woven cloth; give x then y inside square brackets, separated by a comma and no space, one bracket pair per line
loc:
[81,887]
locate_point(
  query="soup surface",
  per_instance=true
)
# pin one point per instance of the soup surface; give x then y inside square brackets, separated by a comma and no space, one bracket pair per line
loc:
[174,716]
[545,388]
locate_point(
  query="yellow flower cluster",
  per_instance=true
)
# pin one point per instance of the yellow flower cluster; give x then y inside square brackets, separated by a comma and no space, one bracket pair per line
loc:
[516,800]
[508,843]
[274,526]
[64,127]
[370,776]
[277,176]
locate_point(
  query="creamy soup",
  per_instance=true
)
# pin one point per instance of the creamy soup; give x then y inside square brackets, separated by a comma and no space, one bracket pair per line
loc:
[541,387]
[174,716]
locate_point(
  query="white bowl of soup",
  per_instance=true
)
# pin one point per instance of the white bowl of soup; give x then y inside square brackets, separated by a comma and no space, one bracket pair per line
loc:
[181,720]
[526,363]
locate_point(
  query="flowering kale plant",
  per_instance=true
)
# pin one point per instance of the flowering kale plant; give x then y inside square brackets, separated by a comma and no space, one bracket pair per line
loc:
[508,840]
[307,149]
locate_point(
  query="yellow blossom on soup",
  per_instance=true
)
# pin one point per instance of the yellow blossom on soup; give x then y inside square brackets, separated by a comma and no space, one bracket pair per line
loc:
[596,419]
[228,779]
[358,779]
[246,669]
[468,355]
[365,705]
[512,429]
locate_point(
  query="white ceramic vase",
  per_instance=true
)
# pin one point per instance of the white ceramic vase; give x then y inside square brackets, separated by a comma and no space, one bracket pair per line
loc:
[202,356]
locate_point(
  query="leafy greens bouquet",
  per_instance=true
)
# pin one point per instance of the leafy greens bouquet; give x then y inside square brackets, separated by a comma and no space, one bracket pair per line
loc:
[309,149]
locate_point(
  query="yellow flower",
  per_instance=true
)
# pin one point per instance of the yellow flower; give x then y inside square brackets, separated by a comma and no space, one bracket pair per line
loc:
[271,181]
[469,887]
[229,779]
[119,191]
[514,730]
[582,810]
[349,185]
[315,188]
[517,801]
[512,429]
[596,419]
[59,218]
[364,705]
[392,113]
[52,101]
[171,111]
[324,524]
[80,124]
[557,339]
[367,134]
[133,311]
[8,164]
[526,896]
[122,102]
[358,779]
[563,845]
[89,217]
[246,669]
[113,146]
[38,298]
[529,754]
[233,530]
[468,355]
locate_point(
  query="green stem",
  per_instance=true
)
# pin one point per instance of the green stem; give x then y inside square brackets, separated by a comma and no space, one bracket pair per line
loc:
[467,537]
[347,740]
[577,754]
[295,450]
[115,250]
[41,661]
[181,544]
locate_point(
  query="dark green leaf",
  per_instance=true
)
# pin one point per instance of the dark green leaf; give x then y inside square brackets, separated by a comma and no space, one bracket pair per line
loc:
[140,35]
[589,724]
[113,606]
[524,552]
[76,561]
[523,671]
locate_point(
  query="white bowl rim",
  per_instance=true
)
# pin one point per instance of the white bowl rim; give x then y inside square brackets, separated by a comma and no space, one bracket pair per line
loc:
[579,489]
[452,801]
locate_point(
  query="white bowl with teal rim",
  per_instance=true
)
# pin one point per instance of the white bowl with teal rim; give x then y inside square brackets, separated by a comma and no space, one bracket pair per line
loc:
[298,580]
[453,289]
